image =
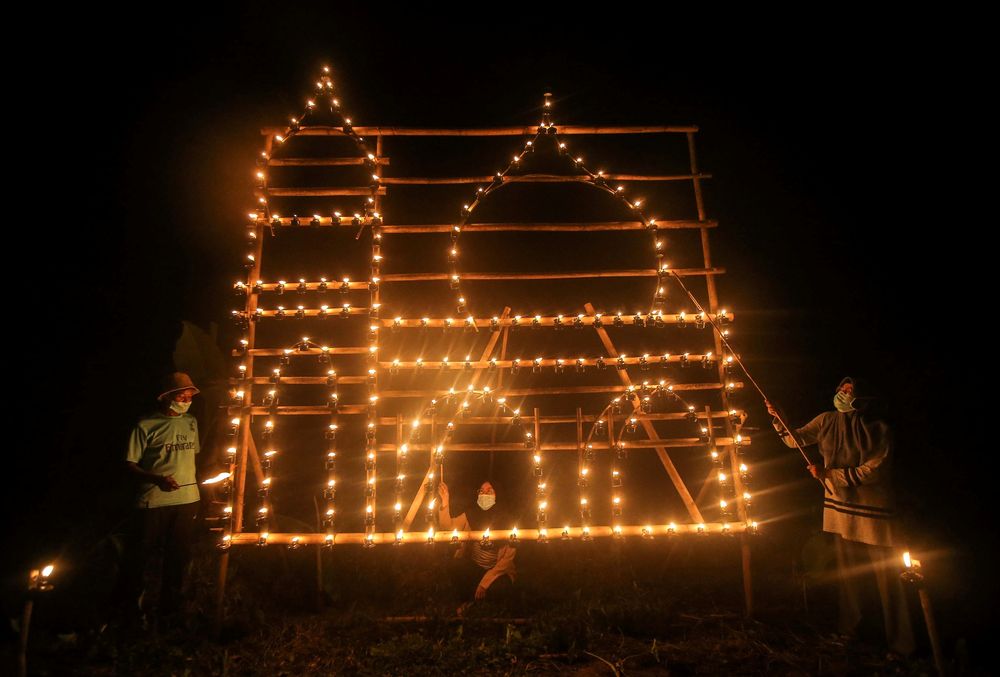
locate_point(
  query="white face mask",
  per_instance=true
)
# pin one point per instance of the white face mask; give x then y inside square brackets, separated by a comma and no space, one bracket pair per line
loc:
[486,501]
[843,401]
[179,407]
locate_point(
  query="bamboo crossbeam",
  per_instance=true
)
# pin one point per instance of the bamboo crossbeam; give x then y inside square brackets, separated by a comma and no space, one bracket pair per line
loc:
[319,192]
[554,390]
[561,446]
[332,314]
[595,226]
[277,352]
[292,288]
[547,227]
[323,161]
[526,322]
[532,178]
[298,380]
[579,275]
[305,221]
[556,420]
[305,410]
[527,130]
[500,536]
[522,322]
[308,410]
[568,364]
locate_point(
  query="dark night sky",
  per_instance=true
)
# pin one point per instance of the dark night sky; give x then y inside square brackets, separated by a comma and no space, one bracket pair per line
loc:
[831,143]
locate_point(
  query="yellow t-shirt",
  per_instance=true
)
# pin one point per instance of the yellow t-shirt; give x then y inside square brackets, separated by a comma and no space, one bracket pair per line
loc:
[166,445]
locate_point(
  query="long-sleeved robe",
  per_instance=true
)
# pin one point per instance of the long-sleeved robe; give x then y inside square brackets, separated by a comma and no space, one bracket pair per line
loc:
[857,455]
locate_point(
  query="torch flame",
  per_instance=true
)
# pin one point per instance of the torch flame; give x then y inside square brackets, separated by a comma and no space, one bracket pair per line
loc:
[218,478]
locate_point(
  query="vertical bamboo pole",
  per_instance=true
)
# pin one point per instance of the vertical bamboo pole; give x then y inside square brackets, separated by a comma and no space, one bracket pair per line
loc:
[538,427]
[713,305]
[246,416]
[932,632]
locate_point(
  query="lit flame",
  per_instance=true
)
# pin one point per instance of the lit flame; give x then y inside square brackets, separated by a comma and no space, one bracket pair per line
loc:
[218,478]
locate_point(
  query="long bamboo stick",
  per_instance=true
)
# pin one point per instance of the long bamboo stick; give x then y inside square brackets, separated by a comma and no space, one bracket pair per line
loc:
[391,229]
[324,161]
[556,420]
[692,358]
[568,275]
[321,130]
[713,300]
[320,192]
[557,446]
[528,322]
[531,178]
[655,531]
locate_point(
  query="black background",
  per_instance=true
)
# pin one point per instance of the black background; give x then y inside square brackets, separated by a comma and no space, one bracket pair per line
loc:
[842,152]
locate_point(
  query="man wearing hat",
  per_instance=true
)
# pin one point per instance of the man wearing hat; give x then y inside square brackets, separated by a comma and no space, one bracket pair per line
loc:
[161,457]
[859,508]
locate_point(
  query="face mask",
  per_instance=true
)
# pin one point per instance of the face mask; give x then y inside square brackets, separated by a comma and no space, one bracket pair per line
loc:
[180,407]
[843,402]
[486,501]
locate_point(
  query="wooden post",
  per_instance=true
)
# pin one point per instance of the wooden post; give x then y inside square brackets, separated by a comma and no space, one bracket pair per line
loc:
[932,632]
[579,435]
[246,419]
[22,644]
[713,306]
[661,452]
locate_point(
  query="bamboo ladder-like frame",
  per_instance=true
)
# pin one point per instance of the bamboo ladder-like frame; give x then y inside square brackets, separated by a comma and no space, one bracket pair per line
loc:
[247,457]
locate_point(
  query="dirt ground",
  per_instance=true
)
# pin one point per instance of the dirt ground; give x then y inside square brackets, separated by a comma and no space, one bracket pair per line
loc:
[600,608]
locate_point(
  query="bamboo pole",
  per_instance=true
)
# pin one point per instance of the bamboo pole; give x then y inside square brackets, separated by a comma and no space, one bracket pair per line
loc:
[336,309]
[713,301]
[333,314]
[320,192]
[531,178]
[324,161]
[277,352]
[310,410]
[569,275]
[300,380]
[932,631]
[652,361]
[375,292]
[526,322]
[675,442]
[353,409]
[528,130]
[548,390]
[504,334]
[332,285]
[523,322]
[547,420]
[258,469]
[655,530]
[647,426]
[246,417]
[411,229]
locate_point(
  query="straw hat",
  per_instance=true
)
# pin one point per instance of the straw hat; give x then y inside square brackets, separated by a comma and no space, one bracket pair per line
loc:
[176,381]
